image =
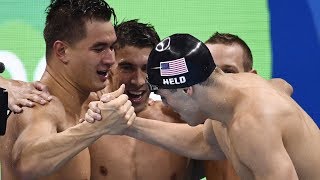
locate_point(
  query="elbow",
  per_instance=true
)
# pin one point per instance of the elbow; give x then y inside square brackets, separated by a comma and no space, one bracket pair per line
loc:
[25,169]
[28,168]
[208,153]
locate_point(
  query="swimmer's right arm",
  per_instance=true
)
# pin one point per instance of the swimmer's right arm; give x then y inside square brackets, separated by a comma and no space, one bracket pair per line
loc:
[41,149]
[179,138]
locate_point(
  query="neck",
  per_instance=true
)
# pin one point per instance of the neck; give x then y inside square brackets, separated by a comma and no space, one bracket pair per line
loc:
[64,89]
[223,100]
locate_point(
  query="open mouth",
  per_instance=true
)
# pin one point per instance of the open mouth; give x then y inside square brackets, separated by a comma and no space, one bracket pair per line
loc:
[135,96]
[102,73]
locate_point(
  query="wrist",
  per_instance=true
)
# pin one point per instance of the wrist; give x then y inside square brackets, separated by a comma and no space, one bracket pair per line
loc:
[92,129]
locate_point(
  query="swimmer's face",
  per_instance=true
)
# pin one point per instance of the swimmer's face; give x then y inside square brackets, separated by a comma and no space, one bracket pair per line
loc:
[182,104]
[130,69]
[229,58]
[92,57]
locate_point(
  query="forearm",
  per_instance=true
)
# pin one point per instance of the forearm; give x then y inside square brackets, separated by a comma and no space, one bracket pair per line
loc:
[47,154]
[176,137]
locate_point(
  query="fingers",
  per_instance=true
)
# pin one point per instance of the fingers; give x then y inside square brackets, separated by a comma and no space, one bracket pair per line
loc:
[46,97]
[37,98]
[130,116]
[93,113]
[106,98]
[15,108]
[91,116]
[131,120]
[41,87]
[94,106]
[98,94]
[42,91]
[126,106]
[116,103]
[81,120]
[118,92]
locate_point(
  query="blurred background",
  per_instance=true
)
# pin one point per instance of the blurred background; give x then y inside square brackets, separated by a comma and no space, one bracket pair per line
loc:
[283,35]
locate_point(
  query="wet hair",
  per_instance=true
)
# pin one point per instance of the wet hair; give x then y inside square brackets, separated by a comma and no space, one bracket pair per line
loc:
[137,34]
[230,39]
[66,19]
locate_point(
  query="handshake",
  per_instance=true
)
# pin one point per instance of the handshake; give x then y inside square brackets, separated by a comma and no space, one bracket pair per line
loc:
[113,114]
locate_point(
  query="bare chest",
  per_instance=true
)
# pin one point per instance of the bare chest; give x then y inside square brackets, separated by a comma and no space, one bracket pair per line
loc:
[78,168]
[118,157]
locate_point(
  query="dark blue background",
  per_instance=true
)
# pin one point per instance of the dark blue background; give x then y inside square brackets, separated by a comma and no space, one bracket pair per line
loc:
[295,30]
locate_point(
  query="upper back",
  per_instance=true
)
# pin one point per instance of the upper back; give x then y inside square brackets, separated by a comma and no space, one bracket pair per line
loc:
[273,109]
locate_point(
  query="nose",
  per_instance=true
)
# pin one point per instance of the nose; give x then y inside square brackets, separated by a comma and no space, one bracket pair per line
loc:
[139,78]
[108,56]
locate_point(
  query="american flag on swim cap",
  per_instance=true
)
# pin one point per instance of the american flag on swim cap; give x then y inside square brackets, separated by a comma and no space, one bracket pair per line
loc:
[173,68]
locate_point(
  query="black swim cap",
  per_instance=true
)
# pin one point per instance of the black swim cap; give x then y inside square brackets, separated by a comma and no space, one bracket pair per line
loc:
[179,61]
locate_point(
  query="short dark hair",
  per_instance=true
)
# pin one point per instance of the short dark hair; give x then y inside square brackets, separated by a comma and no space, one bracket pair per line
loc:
[229,39]
[66,19]
[134,33]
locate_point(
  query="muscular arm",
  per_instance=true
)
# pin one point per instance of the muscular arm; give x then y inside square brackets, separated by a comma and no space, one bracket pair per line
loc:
[40,150]
[259,146]
[42,146]
[176,137]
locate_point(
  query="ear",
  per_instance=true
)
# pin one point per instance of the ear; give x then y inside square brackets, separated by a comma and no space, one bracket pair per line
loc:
[253,71]
[188,90]
[60,49]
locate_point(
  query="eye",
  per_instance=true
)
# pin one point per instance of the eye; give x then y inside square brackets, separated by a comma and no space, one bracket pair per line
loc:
[126,68]
[98,49]
[229,70]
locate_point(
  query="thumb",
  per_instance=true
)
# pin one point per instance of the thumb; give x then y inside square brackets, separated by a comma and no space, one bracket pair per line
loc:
[118,92]
[110,96]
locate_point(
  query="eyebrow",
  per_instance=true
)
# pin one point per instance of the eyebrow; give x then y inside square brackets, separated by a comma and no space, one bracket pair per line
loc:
[99,44]
[123,62]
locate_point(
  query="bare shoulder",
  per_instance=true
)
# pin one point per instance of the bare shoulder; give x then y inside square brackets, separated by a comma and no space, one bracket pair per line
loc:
[250,130]
[52,113]
[282,85]
[158,111]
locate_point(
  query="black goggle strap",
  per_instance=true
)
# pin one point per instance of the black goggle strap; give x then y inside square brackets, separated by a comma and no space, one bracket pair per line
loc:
[152,88]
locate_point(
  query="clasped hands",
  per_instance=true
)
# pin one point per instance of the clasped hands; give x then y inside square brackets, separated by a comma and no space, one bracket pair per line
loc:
[114,112]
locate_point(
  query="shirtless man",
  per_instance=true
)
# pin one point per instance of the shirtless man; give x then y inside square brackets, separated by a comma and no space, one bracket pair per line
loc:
[121,157]
[46,142]
[261,130]
[232,55]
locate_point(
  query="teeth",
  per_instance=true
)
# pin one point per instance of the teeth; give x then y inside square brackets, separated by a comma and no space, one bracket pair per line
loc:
[135,92]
